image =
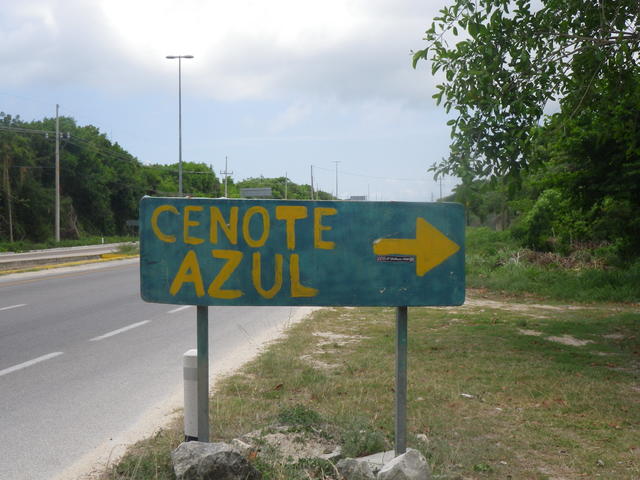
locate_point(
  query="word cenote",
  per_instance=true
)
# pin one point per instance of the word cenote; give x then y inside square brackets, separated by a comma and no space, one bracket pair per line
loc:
[244,234]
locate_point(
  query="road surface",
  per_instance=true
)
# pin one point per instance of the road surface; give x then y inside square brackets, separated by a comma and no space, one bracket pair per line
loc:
[82,359]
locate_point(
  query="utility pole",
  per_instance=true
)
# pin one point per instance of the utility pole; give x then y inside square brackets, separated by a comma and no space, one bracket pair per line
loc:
[57,175]
[286,181]
[311,182]
[226,176]
[336,162]
[179,57]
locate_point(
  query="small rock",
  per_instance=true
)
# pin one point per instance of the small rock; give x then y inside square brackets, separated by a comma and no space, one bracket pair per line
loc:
[244,448]
[332,456]
[377,460]
[203,461]
[354,469]
[600,463]
[422,437]
[408,466]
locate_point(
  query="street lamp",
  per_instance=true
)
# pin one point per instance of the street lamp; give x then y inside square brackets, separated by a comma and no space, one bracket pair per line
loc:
[179,57]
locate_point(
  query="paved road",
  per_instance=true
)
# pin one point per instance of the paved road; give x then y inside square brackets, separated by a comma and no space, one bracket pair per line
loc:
[82,358]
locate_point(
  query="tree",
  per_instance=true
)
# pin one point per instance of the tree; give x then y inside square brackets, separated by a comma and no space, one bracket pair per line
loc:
[13,148]
[593,160]
[511,60]
[294,191]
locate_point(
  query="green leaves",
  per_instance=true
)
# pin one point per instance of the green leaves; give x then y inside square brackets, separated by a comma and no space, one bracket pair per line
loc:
[514,60]
[101,182]
[419,55]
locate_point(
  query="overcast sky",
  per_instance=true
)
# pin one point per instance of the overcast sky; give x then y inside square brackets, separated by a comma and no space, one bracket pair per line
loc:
[277,86]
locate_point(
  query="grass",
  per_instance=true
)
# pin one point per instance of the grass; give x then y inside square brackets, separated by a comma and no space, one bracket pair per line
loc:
[495,261]
[129,248]
[23,246]
[532,407]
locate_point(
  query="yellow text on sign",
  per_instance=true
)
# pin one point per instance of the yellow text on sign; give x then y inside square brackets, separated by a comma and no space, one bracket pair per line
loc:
[235,227]
[194,216]
[190,272]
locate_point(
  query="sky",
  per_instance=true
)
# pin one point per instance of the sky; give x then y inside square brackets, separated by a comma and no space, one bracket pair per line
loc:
[275,87]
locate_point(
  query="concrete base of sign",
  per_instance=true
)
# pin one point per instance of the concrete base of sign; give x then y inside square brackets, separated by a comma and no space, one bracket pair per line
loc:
[378,460]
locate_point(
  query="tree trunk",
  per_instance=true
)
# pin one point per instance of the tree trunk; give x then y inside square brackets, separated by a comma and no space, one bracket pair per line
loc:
[7,192]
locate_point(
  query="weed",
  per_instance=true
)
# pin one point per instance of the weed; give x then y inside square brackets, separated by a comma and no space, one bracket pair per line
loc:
[360,439]
[129,248]
[300,417]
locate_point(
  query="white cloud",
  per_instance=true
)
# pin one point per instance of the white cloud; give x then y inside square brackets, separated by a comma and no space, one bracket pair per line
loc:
[291,117]
[245,49]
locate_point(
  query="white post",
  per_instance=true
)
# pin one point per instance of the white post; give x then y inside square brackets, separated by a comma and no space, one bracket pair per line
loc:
[190,378]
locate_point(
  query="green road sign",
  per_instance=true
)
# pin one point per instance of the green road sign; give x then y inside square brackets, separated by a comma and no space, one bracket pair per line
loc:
[203,251]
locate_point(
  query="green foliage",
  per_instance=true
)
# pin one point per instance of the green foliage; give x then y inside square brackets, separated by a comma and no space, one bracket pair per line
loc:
[487,203]
[497,261]
[282,187]
[537,225]
[300,417]
[129,249]
[593,159]
[511,60]
[147,459]
[24,246]
[359,438]
[101,183]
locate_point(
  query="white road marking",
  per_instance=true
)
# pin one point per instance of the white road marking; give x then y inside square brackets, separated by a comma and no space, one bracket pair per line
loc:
[20,366]
[11,307]
[120,330]
[179,309]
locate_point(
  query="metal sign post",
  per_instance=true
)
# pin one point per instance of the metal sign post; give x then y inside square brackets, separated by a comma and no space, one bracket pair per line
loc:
[401,381]
[203,372]
[206,251]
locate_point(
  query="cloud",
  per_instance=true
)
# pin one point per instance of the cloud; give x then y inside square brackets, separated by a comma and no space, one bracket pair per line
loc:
[60,43]
[348,50]
[291,117]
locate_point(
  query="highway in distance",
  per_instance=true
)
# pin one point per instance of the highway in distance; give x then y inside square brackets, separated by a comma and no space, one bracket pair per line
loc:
[83,358]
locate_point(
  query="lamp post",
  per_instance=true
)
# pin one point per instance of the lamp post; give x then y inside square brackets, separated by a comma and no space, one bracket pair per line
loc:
[336,162]
[179,57]
[57,214]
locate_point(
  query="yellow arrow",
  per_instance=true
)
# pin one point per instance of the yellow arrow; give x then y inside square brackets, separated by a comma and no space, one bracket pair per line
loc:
[430,247]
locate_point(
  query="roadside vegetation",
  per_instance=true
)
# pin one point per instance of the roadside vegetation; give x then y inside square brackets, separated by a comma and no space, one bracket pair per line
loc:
[25,246]
[499,262]
[101,184]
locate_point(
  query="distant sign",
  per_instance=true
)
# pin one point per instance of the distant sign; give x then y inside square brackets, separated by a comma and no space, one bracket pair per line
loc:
[358,197]
[200,251]
[255,192]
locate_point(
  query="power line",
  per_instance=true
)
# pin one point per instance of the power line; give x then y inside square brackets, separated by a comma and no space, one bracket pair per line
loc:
[372,176]
[226,176]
